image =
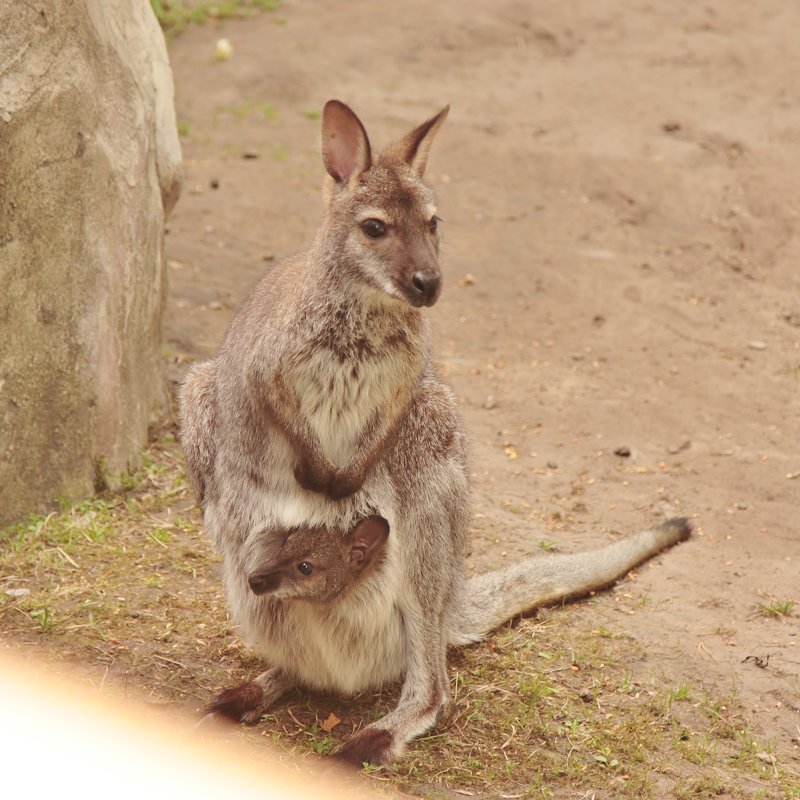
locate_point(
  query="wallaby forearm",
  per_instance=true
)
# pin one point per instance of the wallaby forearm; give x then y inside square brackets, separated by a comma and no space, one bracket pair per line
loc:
[376,437]
[313,470]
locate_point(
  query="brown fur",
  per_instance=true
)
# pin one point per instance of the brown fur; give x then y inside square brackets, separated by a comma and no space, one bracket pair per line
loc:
[236,703]
[368,746]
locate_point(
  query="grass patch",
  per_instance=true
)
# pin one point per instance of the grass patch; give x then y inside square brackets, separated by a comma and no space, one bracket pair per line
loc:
[777,609]
[266,110]
[548,707]
[175,15]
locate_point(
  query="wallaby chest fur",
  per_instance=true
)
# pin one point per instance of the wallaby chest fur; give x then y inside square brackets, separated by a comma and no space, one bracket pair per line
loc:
[338,357]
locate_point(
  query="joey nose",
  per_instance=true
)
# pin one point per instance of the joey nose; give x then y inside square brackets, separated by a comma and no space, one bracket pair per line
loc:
[426,285]
[263,582]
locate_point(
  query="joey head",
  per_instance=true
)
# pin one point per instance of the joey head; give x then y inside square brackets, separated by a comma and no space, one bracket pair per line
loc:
[316,565]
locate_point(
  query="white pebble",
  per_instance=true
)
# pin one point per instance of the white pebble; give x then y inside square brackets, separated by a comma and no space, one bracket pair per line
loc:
[223,50]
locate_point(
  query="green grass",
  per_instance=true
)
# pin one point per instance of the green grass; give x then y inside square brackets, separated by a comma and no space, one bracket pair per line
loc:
[268,111]
[776,608]
[175,15]
[547,707]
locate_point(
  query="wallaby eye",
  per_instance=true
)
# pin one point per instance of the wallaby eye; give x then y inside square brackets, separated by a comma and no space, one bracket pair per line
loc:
[374,228]
[434,223]
[305,568]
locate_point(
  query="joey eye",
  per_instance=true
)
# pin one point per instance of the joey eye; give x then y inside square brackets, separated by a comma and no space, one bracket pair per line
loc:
[374,228]
[305,568]
[434,223]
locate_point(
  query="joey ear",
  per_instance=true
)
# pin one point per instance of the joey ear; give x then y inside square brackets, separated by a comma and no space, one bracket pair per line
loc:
[345,146]
[368,539]
[414,147]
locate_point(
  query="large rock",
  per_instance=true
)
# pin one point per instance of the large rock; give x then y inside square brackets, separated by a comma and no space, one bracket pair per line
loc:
[89,168]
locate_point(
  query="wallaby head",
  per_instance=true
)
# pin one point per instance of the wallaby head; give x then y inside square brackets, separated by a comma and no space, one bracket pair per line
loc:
[317,565]
[381,217]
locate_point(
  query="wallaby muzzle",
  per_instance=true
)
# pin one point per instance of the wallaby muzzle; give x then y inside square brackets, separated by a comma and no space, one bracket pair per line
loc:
[425,286]
[263,582]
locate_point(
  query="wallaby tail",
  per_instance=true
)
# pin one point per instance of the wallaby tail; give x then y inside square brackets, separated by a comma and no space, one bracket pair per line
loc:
[495,597]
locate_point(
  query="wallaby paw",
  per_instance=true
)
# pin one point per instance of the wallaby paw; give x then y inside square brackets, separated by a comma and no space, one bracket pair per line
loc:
[314,480]
[368,746]
[244,703]
[344,484]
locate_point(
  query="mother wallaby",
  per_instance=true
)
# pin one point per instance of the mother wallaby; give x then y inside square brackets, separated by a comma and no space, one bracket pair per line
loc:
[323,407]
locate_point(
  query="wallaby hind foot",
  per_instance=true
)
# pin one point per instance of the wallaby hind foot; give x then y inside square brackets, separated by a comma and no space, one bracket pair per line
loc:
[249,701]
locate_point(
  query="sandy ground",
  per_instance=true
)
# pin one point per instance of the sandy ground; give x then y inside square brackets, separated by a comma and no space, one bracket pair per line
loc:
[618,183]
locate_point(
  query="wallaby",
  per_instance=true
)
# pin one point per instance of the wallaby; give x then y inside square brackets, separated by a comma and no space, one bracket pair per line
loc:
[322,566]
[322,407]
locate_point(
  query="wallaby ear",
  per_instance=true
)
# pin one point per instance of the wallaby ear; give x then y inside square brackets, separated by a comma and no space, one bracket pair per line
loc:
[414,147]
[345,146]
[368,539]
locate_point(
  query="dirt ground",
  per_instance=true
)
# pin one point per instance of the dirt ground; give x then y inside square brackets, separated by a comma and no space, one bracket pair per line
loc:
[618,183]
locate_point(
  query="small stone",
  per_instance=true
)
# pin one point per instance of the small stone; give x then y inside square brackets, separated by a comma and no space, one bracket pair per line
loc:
[671,126]
[623,452]
[757,344]
[214,183]
[680,448]
[467,280]
[552,465]
[215,305]
[793,318]
[250,153]
[21,592]
[489,403]
[223,50]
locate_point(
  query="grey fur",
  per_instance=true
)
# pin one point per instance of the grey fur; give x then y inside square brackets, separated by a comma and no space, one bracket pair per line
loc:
[321,407]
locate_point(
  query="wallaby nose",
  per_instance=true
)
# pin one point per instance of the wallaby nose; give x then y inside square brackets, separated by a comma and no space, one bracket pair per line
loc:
[263,582]
[426,284]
